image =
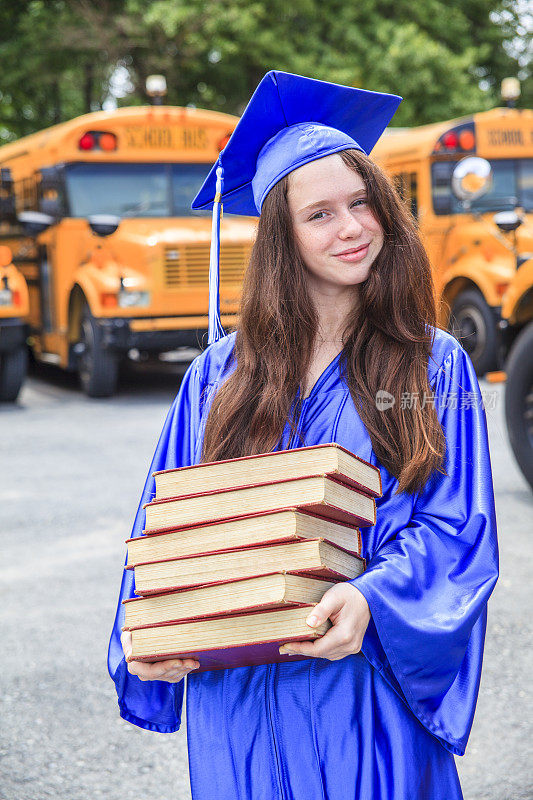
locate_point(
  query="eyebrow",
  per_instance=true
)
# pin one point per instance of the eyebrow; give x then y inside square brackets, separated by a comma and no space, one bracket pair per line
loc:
[325,202]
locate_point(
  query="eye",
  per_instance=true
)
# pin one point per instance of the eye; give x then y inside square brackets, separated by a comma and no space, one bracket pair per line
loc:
[318,215]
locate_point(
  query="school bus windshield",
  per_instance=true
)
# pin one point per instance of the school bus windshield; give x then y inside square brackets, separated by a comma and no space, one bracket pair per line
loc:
[512,186]
[133,190]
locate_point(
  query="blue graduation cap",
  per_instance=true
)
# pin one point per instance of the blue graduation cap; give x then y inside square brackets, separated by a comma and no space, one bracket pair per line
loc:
[289,121]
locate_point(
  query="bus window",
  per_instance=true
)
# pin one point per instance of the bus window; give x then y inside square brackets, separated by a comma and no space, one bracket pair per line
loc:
[186,182]
[441,186]
[525,180]
[27,192]
[133,190]
[406,184]
[398,183]
[512,186]
[413,194]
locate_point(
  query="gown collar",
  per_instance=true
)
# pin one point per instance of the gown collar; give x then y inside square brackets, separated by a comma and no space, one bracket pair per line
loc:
[321,379]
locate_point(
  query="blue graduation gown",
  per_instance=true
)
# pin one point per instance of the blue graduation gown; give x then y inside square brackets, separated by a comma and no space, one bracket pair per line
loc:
[381,724]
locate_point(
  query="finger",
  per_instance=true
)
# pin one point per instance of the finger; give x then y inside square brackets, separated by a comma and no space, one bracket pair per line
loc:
[308,652]
[180,665]
[158,670]
[288,649]
[330,603]
[335,641]
[191,663]
[181,672]
[153,670]
[125,640]
[173,677]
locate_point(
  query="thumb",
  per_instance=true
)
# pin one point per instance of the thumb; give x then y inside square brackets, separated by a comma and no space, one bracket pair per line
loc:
[328,605]
[125,640]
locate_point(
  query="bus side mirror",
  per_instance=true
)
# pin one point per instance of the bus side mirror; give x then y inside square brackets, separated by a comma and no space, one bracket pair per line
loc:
[35,222]
[103,224]
[471,178]
[8,211]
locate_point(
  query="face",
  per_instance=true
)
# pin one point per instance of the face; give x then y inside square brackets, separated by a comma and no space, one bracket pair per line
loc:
[336,232]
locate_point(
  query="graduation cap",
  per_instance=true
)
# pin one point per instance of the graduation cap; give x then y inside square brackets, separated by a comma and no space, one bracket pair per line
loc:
[289,121]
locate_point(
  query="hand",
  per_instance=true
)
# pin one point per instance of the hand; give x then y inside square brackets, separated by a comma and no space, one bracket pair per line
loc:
[172,671]
[349,613]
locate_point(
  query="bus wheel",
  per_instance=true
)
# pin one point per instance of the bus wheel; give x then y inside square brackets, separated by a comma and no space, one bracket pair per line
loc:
[474,326]
[97,367]
[13,368]
[519,401]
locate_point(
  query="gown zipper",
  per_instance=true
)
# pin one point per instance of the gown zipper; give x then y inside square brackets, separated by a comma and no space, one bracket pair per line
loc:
[271,721]
[298,414]
[299,406]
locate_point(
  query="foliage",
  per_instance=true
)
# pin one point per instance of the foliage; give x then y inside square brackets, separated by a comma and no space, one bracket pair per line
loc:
[446,58]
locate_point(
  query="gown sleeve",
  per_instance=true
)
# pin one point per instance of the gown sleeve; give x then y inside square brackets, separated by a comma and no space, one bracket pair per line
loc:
[157,705]
[427,584]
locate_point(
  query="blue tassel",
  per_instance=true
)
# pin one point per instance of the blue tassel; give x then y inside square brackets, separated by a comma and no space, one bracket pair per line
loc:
[215,330]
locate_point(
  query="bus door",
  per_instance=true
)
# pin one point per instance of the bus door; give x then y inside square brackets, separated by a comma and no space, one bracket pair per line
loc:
[34,254]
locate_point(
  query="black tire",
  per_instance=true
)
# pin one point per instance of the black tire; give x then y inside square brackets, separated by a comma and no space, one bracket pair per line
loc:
[519,401]
[13,370]
[97,366]
[473,324]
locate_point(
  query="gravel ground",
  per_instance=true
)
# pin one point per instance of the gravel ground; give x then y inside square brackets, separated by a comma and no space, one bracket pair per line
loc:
[72,472]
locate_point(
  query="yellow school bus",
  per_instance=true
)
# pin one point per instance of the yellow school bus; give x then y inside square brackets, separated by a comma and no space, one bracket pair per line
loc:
[116,263]
[473,259]
[517,324]
[14,307]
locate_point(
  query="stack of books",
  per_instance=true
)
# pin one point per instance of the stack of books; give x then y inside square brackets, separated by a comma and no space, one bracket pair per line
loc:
[236,553]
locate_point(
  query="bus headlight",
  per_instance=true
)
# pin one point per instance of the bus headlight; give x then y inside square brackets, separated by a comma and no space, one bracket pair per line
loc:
[129,299]
[6,297]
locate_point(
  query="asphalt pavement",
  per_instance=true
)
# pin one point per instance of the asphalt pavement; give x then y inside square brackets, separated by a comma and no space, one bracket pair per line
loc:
[72,471]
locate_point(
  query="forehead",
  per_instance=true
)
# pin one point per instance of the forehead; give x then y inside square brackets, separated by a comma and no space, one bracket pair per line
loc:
[329,174]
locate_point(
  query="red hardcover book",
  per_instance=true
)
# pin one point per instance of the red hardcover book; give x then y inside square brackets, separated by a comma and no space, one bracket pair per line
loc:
[269,592]
[249,655]
[322,494]
[314,558]
[175,528]
[272,629]
[328,458]
[237,533]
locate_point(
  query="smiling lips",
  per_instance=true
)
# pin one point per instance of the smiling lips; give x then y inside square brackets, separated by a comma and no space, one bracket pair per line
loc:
[354,253]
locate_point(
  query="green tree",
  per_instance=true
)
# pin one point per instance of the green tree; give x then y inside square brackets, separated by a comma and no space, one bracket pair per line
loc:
[59,58]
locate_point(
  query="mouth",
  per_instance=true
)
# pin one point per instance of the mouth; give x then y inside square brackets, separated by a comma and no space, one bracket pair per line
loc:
[353,250]
[354,254]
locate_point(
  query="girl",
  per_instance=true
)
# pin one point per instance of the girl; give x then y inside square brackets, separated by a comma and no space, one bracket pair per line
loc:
[337,342]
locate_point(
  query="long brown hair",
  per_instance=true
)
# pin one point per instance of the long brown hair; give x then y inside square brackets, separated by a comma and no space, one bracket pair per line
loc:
[387,340]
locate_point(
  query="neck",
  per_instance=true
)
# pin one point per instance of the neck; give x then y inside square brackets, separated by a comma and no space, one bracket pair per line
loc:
[333,309]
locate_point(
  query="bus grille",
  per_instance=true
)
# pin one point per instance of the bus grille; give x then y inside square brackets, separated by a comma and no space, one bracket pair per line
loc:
[188,265]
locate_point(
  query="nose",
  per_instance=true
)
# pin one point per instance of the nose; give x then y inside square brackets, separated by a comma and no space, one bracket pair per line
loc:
[349,227]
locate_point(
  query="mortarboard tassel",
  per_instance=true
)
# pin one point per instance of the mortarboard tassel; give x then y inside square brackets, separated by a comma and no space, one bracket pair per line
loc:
[215,329]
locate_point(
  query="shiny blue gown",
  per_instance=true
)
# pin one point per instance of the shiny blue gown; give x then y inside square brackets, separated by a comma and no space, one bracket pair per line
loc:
[382,724]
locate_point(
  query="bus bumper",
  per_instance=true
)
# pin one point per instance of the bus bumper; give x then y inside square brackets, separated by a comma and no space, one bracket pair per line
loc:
[121,335]
[13,334]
